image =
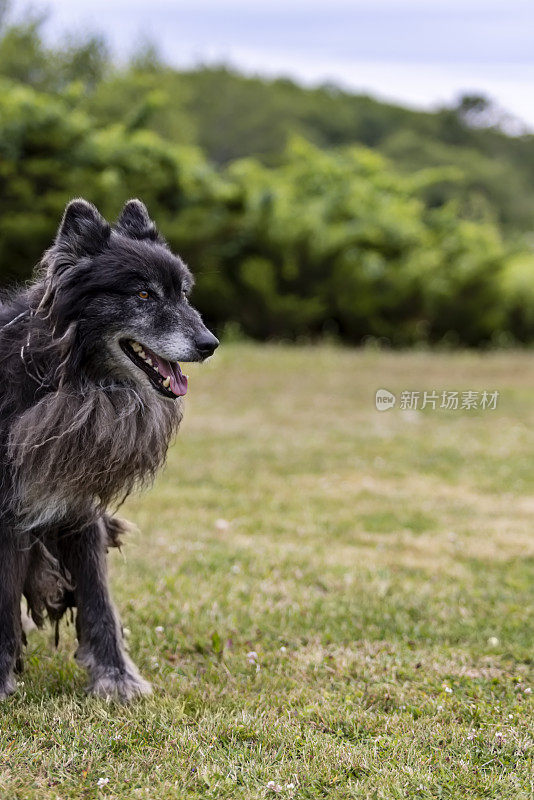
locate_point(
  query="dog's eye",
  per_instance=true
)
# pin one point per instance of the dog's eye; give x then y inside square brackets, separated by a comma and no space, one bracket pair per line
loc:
[143,294]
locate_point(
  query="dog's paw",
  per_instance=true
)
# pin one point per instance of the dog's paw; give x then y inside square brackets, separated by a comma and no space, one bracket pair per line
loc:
[7,687]
[118,683]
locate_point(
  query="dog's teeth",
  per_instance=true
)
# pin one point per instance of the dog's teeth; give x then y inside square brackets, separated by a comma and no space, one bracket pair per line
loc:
[142,353]
[166,383]
[149,361]
[136,347]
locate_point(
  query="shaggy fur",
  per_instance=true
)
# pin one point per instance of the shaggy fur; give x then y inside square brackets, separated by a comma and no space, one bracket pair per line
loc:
[84,421]
[122,434]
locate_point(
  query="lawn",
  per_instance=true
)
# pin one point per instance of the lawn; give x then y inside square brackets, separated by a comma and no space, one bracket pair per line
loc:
[330,601]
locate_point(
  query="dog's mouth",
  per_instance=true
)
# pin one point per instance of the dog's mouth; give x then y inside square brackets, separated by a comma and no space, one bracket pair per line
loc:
[165,376]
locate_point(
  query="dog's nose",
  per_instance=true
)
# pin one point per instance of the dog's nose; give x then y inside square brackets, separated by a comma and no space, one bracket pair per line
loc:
[207,344]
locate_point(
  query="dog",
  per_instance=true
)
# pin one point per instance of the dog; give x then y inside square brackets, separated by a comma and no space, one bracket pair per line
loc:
[91,395]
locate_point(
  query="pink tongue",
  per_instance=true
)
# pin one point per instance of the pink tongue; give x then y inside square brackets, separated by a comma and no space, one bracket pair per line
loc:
[178,380]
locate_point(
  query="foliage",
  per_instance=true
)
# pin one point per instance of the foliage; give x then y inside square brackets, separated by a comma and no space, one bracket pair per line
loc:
[292,239]
[336,242]
[50,152]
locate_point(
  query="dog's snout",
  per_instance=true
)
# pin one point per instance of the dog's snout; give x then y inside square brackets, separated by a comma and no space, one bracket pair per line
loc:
[206,344]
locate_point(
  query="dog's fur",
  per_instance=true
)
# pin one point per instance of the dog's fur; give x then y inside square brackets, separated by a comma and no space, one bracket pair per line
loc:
[81,424]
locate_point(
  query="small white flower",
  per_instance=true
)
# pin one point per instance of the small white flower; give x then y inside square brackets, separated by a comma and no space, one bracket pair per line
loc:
[528,690]
[290,786]
[283,649]
[471,735]
[252,657]
[236,569]
[439,708]
[160,629]
[448,689]
[274,787]
[102,781]
[493,641]
[499,734]
[222,524]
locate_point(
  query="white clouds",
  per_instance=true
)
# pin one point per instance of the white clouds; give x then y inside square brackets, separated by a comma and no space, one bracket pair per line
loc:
[308,5]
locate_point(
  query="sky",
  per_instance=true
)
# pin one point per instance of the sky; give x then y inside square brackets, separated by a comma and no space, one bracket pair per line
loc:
[422,53]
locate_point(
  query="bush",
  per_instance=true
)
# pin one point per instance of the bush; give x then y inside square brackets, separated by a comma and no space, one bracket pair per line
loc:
[325,241]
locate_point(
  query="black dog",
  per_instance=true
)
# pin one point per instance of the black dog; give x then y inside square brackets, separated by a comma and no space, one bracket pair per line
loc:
[90,397]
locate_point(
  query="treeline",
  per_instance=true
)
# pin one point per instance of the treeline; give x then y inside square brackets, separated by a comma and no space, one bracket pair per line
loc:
[293,227]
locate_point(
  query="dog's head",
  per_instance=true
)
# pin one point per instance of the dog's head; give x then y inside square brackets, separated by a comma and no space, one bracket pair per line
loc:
[123,296]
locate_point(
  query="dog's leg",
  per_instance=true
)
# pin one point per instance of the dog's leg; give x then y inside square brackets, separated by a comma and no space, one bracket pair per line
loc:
[13,565]
[101,648]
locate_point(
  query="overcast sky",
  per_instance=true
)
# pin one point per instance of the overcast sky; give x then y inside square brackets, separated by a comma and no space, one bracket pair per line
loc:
[420,52]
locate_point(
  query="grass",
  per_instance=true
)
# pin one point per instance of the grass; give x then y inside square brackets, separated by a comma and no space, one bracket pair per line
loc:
[330,601]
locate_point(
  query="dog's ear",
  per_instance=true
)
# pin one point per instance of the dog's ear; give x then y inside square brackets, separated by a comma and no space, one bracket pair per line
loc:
[135,222]
[83,230]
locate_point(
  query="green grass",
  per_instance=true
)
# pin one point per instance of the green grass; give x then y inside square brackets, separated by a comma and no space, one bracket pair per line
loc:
[379,566]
